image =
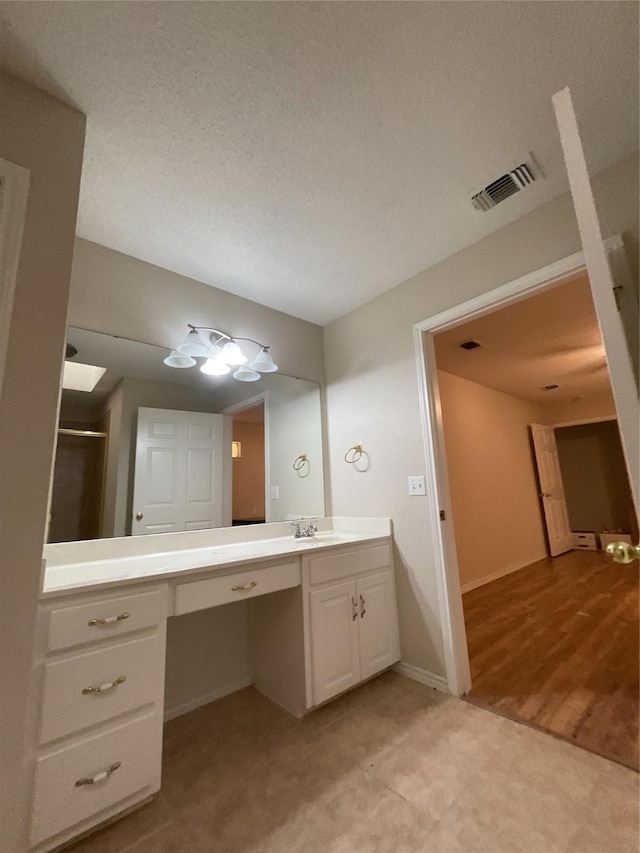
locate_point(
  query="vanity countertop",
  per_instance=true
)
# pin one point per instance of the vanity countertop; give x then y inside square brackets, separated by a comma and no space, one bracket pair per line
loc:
[98,564]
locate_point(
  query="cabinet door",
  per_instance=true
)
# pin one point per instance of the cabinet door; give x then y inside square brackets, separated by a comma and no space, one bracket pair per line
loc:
[334,640]
[377,623]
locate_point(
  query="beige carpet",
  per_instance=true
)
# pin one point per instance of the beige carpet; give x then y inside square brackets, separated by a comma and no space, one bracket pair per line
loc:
[391,767]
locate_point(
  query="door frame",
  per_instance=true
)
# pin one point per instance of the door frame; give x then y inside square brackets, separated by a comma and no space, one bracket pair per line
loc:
[456,655]
[249,403]
[14,192]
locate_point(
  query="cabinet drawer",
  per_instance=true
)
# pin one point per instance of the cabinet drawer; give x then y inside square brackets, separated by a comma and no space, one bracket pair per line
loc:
[134,669]
[348,563]
[222,590]
[103,619]
[132,750]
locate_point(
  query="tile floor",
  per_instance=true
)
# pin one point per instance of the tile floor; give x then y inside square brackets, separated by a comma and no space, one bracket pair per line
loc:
[390,767]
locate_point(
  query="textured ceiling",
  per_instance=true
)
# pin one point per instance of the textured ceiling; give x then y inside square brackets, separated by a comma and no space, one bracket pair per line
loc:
[310,156]
[550,338]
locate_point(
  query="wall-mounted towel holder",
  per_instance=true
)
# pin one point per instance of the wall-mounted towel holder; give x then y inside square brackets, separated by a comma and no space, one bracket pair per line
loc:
[353,454]
[300,462]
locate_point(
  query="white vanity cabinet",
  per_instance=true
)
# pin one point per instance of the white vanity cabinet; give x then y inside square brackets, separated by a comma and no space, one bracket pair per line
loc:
[100,668]
[353,624]
[320,618]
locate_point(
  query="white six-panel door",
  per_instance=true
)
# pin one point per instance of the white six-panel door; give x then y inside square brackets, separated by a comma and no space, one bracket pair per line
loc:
[554,504]
[179,471]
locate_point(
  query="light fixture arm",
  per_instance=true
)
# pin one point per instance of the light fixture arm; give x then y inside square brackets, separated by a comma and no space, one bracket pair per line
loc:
[223,335]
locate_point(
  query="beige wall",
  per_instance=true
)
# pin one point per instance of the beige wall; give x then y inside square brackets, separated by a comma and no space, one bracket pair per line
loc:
[496,513]
[119,295]
[47,138]
[207,656]
[592,407]
[372,385]
[248,472]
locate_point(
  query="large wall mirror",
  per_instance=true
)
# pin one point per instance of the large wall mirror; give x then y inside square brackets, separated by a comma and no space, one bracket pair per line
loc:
[265,437]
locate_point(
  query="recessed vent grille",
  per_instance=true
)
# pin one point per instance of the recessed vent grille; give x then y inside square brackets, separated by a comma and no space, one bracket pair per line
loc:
[470,345]
[512,182]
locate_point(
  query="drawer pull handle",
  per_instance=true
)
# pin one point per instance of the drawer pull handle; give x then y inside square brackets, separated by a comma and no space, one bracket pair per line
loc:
[99,777]
[243,586]
[108,620]
[104,687]
[362,607]
[354,609]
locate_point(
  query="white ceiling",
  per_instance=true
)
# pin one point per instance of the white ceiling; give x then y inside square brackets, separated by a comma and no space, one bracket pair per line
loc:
[550,338]
[312,155]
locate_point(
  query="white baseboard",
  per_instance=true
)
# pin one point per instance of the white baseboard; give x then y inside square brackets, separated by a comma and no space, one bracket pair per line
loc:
[192,704]
[423,676]
[501,573]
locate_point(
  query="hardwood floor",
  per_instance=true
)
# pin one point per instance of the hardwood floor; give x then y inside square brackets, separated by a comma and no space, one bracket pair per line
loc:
[555,645]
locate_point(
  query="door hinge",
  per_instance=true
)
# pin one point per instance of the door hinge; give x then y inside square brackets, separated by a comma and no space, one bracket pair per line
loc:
[443,515]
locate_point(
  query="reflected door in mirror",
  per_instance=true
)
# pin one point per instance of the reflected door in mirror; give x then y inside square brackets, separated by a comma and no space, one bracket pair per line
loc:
[178,481]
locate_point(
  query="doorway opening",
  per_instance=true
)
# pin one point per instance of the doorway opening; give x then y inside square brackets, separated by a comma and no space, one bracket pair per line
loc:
[442,517]
[77,491]
[249,469]
[538,483]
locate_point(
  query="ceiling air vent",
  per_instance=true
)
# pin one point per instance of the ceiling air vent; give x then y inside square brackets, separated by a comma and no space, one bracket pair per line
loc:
[512,182]
[470,345]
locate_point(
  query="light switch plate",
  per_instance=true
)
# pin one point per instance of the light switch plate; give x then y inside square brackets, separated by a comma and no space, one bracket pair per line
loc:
[274,492]
[417,486]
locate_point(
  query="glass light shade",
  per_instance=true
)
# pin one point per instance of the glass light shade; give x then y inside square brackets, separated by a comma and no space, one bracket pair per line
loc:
[263,363]
[215,367]
[246,374]
[176,359]
[232,354]
[193,345]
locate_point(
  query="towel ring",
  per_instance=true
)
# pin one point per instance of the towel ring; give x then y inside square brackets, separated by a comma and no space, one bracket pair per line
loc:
[356,454]
[300,462]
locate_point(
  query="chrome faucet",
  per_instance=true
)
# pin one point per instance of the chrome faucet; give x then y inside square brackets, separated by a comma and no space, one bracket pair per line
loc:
[305,532]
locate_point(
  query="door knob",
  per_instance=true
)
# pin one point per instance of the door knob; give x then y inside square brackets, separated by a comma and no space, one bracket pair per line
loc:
[623,552]
[139,516]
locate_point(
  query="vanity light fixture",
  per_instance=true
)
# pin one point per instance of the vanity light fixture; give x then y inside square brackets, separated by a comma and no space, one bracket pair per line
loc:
[221,352]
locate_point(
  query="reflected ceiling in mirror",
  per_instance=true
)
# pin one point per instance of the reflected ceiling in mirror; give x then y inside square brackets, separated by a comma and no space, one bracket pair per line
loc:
[98,431]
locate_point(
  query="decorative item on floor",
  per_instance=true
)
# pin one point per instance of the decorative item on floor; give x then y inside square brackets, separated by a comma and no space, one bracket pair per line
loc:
[221,352]
[623,552]
[301,462]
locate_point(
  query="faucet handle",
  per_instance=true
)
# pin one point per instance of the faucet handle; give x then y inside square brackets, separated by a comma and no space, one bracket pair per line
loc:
[297,532]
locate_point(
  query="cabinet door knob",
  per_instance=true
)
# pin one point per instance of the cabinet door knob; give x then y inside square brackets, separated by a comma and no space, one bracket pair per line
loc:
[242,586]
[354,609]
[139,516]
[362,607]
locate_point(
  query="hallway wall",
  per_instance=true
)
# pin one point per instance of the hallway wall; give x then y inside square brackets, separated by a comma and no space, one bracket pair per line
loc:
[496,513]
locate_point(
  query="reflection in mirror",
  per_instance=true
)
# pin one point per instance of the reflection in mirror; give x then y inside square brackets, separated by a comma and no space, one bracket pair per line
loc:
[263,428]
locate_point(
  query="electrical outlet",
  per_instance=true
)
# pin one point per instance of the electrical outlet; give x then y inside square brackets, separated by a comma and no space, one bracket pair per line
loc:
[274,492]
[416,486]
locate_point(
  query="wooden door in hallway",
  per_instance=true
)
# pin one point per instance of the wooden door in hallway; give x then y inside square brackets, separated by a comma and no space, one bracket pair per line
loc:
[554,504]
